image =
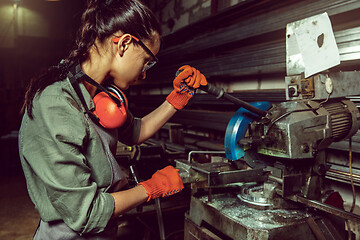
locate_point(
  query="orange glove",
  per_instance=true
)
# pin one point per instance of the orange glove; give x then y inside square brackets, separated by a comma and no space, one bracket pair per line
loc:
[184,86]
[163,183]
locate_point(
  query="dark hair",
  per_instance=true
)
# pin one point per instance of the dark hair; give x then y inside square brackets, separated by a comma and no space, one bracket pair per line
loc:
[100,20]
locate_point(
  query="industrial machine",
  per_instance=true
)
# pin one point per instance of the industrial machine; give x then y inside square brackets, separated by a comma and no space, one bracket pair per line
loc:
[286,152]
[270,180]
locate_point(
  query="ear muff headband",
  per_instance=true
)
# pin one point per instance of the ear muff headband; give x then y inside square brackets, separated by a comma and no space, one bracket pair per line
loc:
[110,104]
[119,94]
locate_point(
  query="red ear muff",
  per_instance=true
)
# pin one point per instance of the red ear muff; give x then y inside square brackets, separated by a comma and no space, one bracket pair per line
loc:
[111,114]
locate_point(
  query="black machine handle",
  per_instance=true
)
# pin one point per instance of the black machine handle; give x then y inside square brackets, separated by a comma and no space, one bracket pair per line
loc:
[220,93]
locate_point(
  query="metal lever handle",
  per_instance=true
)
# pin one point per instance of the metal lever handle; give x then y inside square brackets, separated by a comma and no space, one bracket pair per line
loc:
[220,93]
[157,200]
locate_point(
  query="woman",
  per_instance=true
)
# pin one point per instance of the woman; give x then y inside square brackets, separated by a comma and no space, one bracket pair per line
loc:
[66,142]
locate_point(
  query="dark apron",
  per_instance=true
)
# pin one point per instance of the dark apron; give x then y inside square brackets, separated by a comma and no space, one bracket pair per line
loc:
[58,230]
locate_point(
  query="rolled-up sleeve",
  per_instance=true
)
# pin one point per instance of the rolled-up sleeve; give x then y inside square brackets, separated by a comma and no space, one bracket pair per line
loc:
[55,149]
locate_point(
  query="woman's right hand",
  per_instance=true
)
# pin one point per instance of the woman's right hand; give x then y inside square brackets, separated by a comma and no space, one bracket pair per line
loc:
[164,182]
[188,79]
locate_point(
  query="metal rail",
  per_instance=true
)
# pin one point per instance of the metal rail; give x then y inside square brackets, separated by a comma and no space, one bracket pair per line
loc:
[326,208]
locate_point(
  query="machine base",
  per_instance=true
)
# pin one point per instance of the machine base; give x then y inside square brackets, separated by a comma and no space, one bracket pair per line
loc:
[225,217]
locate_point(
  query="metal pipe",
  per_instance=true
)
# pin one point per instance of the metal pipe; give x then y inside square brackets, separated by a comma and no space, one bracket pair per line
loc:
[345,174]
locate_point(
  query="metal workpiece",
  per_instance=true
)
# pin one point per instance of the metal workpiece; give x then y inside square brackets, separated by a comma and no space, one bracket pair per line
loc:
[257,196]
[263,196]
[322,86]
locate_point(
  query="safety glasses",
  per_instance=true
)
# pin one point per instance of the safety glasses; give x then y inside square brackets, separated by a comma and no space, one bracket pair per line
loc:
[150,63]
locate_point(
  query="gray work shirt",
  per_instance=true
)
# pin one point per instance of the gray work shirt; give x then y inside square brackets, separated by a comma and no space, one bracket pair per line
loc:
[65,164]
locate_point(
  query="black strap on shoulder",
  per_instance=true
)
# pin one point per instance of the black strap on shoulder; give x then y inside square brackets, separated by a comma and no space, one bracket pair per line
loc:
[73,77]
[77,73]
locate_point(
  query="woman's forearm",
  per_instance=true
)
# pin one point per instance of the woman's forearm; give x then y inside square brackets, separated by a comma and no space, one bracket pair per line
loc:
[128,199]
[152,122]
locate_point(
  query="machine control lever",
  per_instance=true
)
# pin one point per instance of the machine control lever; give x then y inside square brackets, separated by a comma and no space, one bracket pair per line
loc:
[220,93]
[157,200]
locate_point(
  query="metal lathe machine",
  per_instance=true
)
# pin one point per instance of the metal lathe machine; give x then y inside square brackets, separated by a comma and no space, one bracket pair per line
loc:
[269,182]
[280,165]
